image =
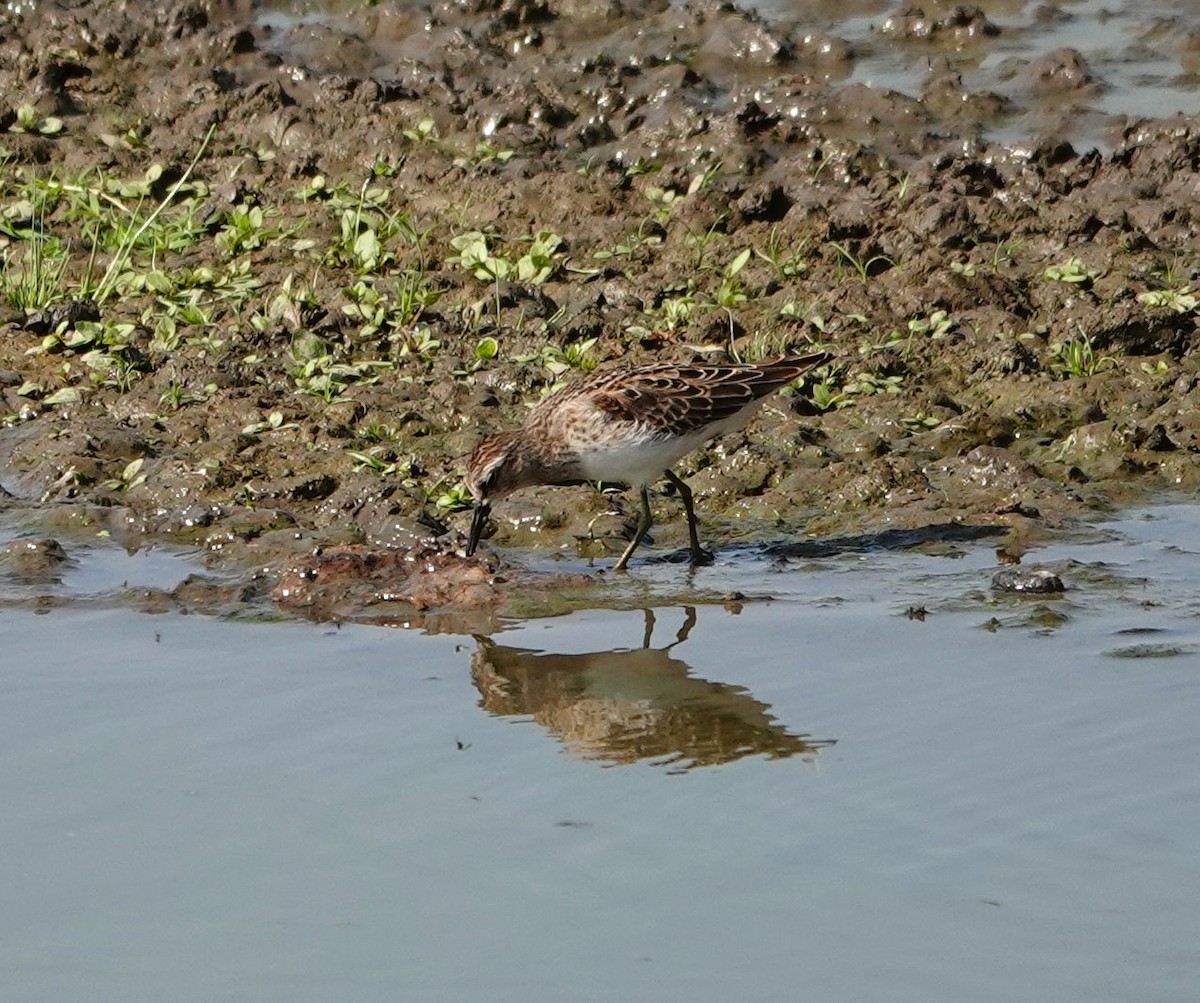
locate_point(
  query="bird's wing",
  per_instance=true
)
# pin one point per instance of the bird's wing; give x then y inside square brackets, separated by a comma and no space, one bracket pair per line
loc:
[683,399]
[675,398]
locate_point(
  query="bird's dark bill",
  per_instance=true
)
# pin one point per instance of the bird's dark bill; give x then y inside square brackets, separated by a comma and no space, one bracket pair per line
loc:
[478,520]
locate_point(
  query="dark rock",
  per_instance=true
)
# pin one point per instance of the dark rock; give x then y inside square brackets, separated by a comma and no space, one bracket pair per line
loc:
[1158,441]
[69,312]
[1035,580]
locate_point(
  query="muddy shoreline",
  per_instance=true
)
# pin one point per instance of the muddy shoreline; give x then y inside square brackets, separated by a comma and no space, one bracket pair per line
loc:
[265,308]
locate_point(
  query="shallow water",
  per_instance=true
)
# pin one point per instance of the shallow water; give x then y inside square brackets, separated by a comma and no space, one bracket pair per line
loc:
[1144,55]
[1140,51]
[816,794]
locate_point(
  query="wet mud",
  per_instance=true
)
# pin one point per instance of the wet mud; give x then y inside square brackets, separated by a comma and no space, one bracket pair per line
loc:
[352,246]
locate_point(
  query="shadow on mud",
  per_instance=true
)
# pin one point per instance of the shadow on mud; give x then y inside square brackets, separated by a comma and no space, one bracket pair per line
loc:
[626,705]
[889,539]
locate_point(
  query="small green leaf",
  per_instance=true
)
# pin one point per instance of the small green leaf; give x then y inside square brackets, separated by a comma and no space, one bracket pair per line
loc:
[67,395]
[738,263]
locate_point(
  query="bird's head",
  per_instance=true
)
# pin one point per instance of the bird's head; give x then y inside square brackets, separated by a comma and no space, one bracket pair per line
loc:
[493,470]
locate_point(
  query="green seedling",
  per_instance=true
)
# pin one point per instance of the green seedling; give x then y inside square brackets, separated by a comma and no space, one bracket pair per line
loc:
[30,388]
[377,314]
[415,340]
[704,179]
[425,131]
[366,250]
[244,229]
[1077,358]
[730,292]
[385,167]
[702,243]
[363,200]
[178,396]
[413,297]
[937,325]
[66,395]
[788,262]
[274,422]
[535,266]
[455,498]
[314,188]
[827,397]
[114,369]
[663,200]
[1177,300]
[317,370]
[137,188]
[538,263]
[676,311]
[869,384]
[476,257]
[920,422]
[128,478]
[865,267]
[486,154]
[378,432]
[642,166]
[107,285]
[382,462]
[37,278]
[110,336]
[1072,271]
[28,120]
[131,138]
[791,310]
[291,307]
[635,247]
[825,391]
[1005,251]
[486,349]
[368,307]
[576,355]
[367,227]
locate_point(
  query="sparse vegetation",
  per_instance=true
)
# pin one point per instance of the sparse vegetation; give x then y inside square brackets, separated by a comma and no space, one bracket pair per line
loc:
[1076,358]
[263,310]
[1071,271]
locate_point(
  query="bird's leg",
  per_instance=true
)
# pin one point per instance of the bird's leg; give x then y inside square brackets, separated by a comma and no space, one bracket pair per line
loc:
[648,619]
[643,527]
[699,554]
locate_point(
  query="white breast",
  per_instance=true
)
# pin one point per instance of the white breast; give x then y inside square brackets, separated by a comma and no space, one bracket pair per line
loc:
[637,454]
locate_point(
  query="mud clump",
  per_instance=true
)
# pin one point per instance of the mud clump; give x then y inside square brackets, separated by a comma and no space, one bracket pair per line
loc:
[265,285]
[430,585]
[31,558]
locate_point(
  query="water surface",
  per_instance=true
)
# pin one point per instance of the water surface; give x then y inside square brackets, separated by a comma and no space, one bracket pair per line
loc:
[821,794]
[1143,55]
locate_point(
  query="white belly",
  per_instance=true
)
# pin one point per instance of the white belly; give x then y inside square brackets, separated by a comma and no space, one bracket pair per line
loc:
[633,455]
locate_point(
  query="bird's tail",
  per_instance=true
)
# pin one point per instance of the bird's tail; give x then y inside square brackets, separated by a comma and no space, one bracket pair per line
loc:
[792,367]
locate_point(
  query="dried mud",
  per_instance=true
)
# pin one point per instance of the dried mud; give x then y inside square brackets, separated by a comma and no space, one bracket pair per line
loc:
[999,367]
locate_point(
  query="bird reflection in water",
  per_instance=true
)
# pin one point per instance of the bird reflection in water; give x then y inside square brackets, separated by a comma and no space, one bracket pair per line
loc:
[625,705]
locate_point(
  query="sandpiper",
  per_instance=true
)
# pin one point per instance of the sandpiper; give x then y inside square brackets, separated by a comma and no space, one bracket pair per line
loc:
[627,426]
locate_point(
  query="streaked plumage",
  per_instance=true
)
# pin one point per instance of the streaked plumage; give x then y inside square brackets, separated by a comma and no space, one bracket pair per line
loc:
[628,426]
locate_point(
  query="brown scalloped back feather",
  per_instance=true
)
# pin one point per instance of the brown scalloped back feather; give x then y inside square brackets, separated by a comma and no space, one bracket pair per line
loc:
[686,398]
